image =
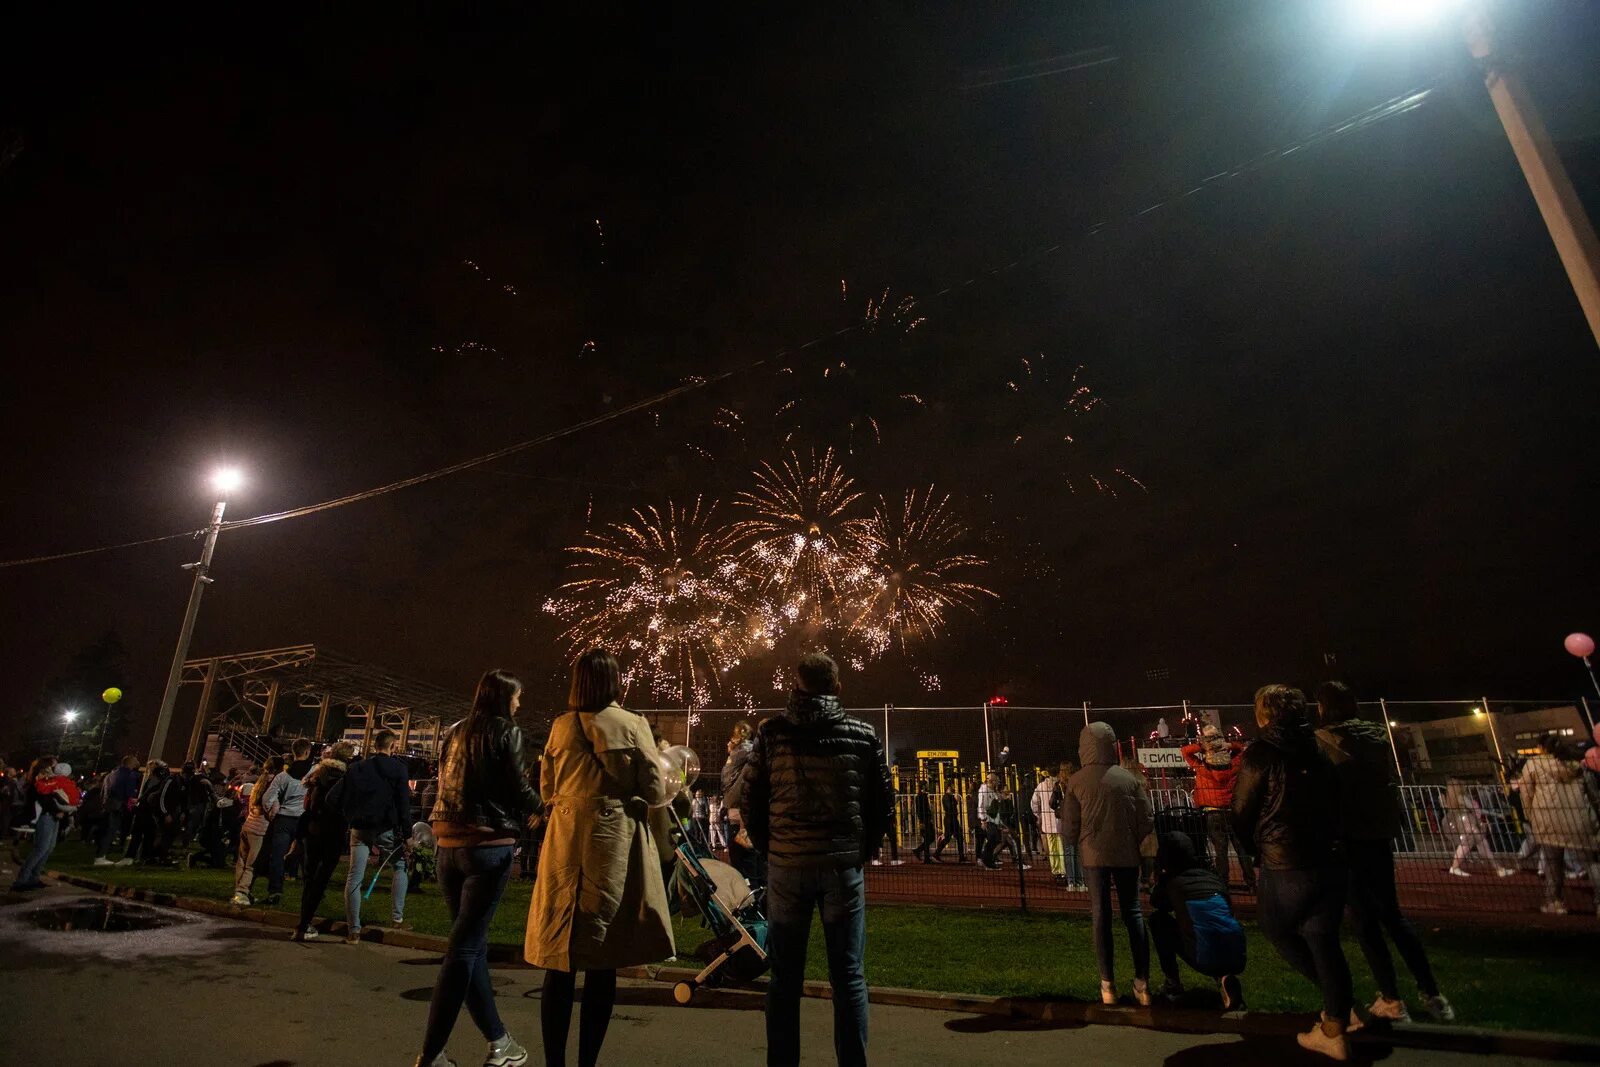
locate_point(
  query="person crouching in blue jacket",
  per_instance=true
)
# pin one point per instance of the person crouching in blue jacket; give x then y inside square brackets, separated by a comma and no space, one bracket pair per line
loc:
[1191,918]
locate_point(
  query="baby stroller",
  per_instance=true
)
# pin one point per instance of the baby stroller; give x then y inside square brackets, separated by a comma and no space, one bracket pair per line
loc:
[728,907]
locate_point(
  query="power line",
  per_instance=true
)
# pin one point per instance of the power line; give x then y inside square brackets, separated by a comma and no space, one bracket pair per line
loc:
[1400,104]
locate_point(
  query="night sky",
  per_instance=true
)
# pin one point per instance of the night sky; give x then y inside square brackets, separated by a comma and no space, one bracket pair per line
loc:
[1354,379]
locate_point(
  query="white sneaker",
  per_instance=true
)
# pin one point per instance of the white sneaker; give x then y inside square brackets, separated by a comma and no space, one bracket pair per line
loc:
[1141,992]
[897,863]
[1108,993]
[877,863]
[241,900]
[1504,872]
[505,1053]
[1333,1046]
[1459,873]
[1438,1008]
[126,861]
[101,861]
[308,934]
[1554,907]
[1393,1010]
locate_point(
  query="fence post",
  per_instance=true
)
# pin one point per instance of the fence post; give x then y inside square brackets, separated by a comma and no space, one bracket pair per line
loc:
[887,751]
[1494,735]
[1388,728]
[1086,713]
[688,725]
[988,756]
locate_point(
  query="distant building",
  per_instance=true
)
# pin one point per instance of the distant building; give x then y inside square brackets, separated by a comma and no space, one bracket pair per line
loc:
[1463,746]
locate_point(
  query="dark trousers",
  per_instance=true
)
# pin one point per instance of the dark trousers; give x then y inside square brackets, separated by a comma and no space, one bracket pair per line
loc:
[471,881]
[280,835]
[321,860]
[1126,880]
[987,837]
[793,894]
[952,831]
[748,862]
[103,833]
[1219,832]
[1375,910]
[925,841]
[1300,911]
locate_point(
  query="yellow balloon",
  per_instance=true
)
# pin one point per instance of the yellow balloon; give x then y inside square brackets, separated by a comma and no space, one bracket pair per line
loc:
[112,695]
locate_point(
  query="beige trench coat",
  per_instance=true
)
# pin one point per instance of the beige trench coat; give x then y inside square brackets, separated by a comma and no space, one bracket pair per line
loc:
[1557,807]
[599,902]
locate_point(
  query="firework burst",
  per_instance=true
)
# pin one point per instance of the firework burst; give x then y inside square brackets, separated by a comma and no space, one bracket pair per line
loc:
[917,574]
[667,589]
[801,546]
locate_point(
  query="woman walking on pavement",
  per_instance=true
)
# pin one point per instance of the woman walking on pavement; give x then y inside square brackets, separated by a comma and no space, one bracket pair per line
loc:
[599,903]
[1285,805]
[486,796]
[1467,815]
[1562,817]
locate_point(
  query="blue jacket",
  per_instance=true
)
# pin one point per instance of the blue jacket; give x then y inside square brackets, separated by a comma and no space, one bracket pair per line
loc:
[122,787]
[1210,938]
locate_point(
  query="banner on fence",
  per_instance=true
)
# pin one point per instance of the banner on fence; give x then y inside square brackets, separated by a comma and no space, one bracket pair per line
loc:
[1162,759]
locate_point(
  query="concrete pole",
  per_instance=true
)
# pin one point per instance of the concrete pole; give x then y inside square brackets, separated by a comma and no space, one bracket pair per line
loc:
[988,756]
[1494,735]
[169,696]
[1558,202]
[1388,728]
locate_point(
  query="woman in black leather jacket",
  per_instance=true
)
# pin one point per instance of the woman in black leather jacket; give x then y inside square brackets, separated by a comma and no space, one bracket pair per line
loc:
[486,796]
[1285,802]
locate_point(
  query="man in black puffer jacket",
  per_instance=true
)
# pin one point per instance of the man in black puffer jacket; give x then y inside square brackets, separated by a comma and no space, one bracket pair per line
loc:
[816,798]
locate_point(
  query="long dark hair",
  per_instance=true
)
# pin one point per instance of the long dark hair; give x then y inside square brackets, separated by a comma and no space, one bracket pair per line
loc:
[596,681]
[493,698]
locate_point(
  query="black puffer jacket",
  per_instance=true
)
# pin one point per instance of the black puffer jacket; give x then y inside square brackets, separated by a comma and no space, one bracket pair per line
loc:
[485,779]
[815,791]
[1369,787]
[1286,800]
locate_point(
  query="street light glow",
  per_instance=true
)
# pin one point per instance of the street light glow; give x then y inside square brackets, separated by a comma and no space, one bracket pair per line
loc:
[69,716]
[227,479]
[1392,15]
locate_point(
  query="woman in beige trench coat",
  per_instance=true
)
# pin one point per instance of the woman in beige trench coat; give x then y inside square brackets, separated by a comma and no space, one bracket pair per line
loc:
[599,902]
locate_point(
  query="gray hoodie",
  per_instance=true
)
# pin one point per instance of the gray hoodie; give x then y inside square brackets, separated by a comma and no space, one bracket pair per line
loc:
[1104,809]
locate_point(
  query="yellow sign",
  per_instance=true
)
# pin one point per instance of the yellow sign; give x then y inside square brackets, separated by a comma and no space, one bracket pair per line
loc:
[938,753]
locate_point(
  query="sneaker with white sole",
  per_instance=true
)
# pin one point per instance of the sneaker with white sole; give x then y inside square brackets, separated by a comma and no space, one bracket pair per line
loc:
[1393,1010]
[308,934]
[101,861]
[1108,993]
[1554,907]
[1459,873]
[1141,992]
[505,1053]
[441,1060]
[126,861]
[1334,1045]
[241,900]
[1438,1008]
[1504,872]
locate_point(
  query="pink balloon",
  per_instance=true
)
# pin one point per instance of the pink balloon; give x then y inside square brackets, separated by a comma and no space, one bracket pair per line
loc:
[1580,645]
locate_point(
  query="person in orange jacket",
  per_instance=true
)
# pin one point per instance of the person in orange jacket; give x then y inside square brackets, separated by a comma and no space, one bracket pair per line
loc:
[1215,762]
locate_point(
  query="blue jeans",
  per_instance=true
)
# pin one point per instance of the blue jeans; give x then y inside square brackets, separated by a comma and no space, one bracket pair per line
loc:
[1126,879]
[1300,911]
[793,894]
[280,835]
[1074,868]
[45,830]
[471,880]
[362,843]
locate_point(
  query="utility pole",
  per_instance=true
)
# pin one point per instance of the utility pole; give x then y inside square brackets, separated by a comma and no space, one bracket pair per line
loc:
[1563,212]
[169,696]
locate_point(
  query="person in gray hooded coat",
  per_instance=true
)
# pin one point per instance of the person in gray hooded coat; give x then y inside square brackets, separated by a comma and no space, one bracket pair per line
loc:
[1106,813]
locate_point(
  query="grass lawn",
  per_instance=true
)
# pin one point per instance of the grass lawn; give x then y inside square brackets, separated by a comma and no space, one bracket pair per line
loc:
[1526,980]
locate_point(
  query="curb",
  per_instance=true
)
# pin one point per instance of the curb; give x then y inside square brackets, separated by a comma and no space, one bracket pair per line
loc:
[1468,1039]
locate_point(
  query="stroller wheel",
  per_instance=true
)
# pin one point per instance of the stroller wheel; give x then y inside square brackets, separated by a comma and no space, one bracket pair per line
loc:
[683,992]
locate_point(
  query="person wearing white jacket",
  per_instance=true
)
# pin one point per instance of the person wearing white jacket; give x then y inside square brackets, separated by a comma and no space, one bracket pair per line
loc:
[1049,823]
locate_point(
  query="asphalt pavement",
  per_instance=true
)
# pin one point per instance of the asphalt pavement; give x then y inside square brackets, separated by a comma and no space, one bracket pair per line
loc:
[203,990]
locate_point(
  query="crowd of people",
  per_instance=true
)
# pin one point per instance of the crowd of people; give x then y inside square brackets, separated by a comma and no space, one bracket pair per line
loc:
[1311,806]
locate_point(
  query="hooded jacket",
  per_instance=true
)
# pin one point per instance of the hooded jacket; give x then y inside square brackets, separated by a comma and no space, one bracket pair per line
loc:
[815,791]
[324,821]
[1369,789]
[1105,810]
[1211,938]
[1286,801]
[1215,763]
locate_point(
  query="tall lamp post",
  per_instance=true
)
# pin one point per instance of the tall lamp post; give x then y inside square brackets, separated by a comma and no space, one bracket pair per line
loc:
[1570,229]
[224,482]
[67,719]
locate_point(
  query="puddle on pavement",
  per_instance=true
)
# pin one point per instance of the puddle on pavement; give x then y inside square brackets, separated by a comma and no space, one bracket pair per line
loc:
[98,916]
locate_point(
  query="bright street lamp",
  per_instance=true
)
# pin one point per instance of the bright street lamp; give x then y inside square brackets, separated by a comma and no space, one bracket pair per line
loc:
[68,717]
[1570,229]
[224,480]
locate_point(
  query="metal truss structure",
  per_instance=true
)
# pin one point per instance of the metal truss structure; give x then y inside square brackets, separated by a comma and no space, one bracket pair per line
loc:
[242,693]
